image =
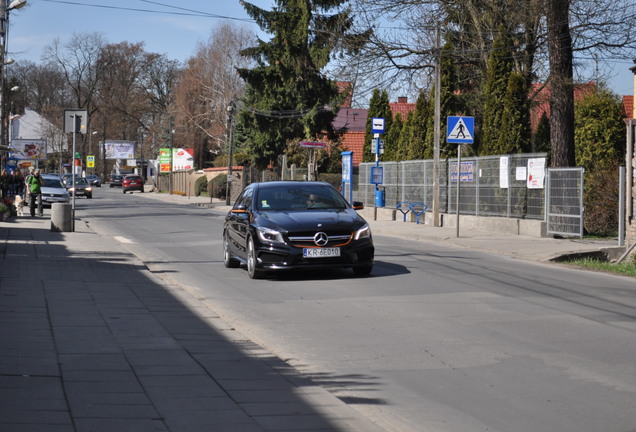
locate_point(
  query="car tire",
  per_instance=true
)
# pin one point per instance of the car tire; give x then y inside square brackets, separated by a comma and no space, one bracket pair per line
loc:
[363,270]
[252,271]
[124,191]
[228,260]
[89,196]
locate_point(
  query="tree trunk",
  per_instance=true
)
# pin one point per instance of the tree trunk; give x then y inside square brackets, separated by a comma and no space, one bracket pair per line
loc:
[561,84]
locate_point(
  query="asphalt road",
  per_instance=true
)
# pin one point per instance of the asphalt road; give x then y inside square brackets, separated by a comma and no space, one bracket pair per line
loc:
[438,339]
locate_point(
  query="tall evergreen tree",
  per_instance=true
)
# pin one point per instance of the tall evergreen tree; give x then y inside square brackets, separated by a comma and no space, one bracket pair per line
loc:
[515,133]
[542,135]
[378,108]
[421,121]
[599,130]
[497,76]
[287,96]
[449,105]
[392,139]
[406,137]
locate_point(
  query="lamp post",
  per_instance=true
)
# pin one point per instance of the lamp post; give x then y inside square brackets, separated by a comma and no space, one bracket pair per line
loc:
[230,126]
[4,32]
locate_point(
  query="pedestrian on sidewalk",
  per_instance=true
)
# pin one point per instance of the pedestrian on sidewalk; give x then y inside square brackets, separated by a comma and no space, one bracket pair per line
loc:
[5,183]
[34,185]
[18,183]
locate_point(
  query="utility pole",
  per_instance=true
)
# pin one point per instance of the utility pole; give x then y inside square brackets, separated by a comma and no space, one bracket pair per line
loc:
[230,125]
[171,131]
[437,124]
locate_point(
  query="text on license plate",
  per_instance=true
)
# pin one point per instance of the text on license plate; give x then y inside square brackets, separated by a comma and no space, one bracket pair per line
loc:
[321,252]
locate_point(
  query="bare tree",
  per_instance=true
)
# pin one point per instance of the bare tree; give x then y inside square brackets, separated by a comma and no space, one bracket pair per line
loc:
[208,85]
[44,86]
[551,38]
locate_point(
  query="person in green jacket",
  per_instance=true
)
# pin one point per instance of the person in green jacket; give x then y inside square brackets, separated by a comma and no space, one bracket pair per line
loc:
[34,184]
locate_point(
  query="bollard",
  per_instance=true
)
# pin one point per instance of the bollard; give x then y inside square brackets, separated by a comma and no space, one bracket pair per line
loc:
[61,217]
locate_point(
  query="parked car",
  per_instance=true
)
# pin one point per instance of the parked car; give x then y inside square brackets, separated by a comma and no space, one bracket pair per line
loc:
[81,187]
[53,190]
[296,225]
[115,180]
[94,180]
[133,182]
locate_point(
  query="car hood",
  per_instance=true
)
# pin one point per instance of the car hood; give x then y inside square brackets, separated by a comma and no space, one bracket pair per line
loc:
[50,190]
[309,220]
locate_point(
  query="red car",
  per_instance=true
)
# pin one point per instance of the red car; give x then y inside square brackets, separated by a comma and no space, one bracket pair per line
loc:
[132,182]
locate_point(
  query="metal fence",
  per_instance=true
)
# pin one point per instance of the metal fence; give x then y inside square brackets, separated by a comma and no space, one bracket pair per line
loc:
[564,201]
[488,185]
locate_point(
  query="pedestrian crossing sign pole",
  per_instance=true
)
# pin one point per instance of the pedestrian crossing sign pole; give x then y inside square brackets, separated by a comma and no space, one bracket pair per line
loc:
[459,130]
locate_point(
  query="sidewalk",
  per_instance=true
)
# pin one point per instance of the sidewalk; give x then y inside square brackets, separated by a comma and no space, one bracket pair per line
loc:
[93,341]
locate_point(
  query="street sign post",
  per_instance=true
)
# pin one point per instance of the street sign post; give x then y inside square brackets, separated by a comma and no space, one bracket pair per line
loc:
[460,130]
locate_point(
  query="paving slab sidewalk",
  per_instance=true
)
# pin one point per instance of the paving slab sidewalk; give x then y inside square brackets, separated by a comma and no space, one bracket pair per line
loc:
[92,341]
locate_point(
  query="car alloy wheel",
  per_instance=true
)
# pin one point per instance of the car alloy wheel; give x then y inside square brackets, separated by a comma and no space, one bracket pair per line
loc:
[228,260]
[252,271]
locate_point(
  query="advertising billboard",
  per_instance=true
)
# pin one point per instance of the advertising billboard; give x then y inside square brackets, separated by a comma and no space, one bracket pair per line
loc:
[182,159]
[29,148]
[119,149]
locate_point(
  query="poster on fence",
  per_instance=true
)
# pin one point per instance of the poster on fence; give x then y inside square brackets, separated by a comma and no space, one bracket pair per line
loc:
[503,172]
[536,173]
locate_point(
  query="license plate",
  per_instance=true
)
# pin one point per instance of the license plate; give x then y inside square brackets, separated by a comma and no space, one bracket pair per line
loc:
[321,252]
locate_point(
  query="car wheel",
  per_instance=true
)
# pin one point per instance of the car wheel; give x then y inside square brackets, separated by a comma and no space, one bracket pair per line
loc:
[363,270]
[89,196]
[228,260]
[252,271]
[123,191]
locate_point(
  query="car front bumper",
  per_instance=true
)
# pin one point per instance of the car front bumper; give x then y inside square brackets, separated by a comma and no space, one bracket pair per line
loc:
[284,257]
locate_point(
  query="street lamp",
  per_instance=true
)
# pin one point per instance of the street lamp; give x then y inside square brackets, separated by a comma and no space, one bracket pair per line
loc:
[4,31]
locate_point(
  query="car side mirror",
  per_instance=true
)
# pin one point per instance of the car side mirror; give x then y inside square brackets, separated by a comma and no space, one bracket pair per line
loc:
[358,205]
[241,208]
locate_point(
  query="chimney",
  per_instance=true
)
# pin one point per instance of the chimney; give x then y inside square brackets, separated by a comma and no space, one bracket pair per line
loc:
[403,99]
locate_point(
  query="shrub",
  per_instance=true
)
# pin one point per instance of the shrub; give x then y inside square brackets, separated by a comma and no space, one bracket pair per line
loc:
[238,159]
[219,186]
[333,179]
[201,186]
[601,201]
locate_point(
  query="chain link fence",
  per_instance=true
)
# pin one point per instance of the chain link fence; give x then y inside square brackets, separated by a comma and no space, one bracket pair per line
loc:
[488,185]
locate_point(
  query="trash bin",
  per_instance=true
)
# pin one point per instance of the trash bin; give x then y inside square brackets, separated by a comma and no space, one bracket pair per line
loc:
[61,217]
[379,197]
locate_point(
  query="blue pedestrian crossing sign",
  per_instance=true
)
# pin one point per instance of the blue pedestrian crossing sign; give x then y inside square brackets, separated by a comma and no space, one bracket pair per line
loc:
[460,130]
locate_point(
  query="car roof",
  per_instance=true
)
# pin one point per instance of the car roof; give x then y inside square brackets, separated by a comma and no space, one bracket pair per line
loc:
[290,184]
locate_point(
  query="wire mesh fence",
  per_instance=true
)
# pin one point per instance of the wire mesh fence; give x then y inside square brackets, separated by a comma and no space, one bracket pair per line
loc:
[488,185]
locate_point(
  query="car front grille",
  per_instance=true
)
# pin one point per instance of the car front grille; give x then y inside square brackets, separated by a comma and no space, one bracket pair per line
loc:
[306,239]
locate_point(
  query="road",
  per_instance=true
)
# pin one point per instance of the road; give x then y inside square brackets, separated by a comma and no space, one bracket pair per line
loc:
[439,339]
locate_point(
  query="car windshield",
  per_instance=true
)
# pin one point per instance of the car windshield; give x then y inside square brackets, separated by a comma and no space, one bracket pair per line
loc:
[78,181]
[296,198]
[52,183]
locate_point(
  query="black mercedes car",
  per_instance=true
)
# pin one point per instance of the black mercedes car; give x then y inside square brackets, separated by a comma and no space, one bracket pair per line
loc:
[296,225]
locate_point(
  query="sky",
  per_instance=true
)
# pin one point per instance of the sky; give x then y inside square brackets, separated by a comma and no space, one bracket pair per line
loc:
[174,28]
[166,27]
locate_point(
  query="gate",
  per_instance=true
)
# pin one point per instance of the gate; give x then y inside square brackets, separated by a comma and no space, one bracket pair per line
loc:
[564,201]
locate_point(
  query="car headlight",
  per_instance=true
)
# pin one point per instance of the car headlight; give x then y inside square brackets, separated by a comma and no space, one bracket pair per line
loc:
[71,189]
[267,235]
[362,233]
[88,189]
